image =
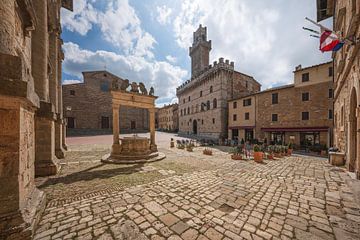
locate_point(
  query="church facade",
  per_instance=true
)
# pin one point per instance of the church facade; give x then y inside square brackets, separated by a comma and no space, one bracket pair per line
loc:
[203,108]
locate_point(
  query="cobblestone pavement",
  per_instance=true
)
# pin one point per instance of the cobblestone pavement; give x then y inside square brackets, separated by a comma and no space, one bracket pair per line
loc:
[214,198]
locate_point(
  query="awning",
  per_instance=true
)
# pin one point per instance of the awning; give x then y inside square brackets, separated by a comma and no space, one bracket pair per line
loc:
[296,129]
[242,127]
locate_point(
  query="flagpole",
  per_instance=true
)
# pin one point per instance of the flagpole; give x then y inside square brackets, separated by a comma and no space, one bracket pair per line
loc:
[319,25]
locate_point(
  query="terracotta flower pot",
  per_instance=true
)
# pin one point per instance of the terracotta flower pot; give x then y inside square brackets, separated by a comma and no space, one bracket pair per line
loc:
[236,157]
[258,157]
[270,157]
[289,152]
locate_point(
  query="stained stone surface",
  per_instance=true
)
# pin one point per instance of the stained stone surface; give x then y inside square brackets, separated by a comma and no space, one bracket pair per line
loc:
[215,198]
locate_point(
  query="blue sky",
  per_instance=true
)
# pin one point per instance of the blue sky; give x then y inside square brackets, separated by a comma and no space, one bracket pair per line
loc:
[148,41]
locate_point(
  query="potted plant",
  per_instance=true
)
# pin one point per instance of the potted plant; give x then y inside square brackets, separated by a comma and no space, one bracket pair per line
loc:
[181,146]
[207,151]
[270,152]
[290,148]
[189,147]
[277,151]
[258,155]
[237,153]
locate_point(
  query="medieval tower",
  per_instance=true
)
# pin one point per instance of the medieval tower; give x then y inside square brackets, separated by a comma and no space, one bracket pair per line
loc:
[199,51]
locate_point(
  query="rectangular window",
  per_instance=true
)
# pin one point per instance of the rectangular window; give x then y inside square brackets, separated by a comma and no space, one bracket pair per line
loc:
[72,92]
[305,96]
[305,77]
[247,116]
[133,124]
[189,98]
[200,93]
[274,117]
[105,122]
[234,117]
[234,104]
[71,122]
[247,102]
[213,120]
[330,114]
[331,72]
[305,115]
[104,87]
[331,93]
[275,98]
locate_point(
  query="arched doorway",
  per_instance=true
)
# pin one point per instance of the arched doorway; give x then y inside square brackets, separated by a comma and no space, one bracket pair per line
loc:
[353,132]
[194,127]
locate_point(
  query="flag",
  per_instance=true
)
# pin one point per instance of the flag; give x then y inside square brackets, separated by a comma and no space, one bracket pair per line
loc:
[329,41]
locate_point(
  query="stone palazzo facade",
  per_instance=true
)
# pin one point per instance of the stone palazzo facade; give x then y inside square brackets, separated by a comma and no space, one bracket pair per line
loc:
[31,118]
[301,113]
[168,117]
[87,107]
[346,20]
[203,108]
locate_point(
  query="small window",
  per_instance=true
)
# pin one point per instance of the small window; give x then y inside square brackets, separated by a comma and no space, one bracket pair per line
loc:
[274,117]
[234,117]
[200,93]
[213,120]
[331,93]
[202,108]
[189,98]
[104,87]
[247,102]
[211,89]
[305,77]
[275,98]
[184,100]
[202,121]
[105,122]
[305,115]
[214,103]
[234,105]
[71,122]
[330,114]
[181,112]
[72,92]
[305,96]
[331,72]
[208,105]
[188,110]
[247,116]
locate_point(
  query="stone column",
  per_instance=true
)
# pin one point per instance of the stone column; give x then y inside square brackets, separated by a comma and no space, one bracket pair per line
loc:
[21,203]
[45,160]
[357,166]
[59,150]
[116,130]
[153,146]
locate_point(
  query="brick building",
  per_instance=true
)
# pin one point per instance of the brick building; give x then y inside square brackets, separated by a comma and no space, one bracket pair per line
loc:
[168,117]
[31,119]
[88,109]
[203,108]
[346,20]
[301,113]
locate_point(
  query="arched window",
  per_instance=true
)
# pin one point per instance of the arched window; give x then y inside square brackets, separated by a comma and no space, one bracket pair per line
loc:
[184,111]
[188,110]
[214,103]
[208,105]
[181,112]
[211,89]
[202,106]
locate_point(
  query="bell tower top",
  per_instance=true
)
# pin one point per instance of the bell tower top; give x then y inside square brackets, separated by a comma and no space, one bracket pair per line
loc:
[199,51]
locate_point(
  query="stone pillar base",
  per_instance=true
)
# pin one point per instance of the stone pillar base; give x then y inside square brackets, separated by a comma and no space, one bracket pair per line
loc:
[22,223]
[46,168]
[59,151]
[153,148]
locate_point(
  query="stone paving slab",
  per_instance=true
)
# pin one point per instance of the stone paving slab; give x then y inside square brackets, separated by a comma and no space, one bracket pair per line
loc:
[290,198]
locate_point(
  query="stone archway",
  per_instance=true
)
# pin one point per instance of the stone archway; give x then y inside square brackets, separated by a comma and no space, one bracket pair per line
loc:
[195,127]
[353,132]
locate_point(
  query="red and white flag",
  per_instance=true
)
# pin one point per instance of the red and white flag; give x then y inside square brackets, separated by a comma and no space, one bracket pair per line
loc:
[329,41]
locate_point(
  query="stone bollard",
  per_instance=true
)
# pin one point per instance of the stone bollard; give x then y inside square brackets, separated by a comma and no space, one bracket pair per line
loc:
[172,144]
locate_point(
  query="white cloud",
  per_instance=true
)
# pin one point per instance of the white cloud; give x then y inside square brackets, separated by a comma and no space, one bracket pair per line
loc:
[163,76]
[118,23]
[171,59]
[71,81]
[264,38]
[163,14]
